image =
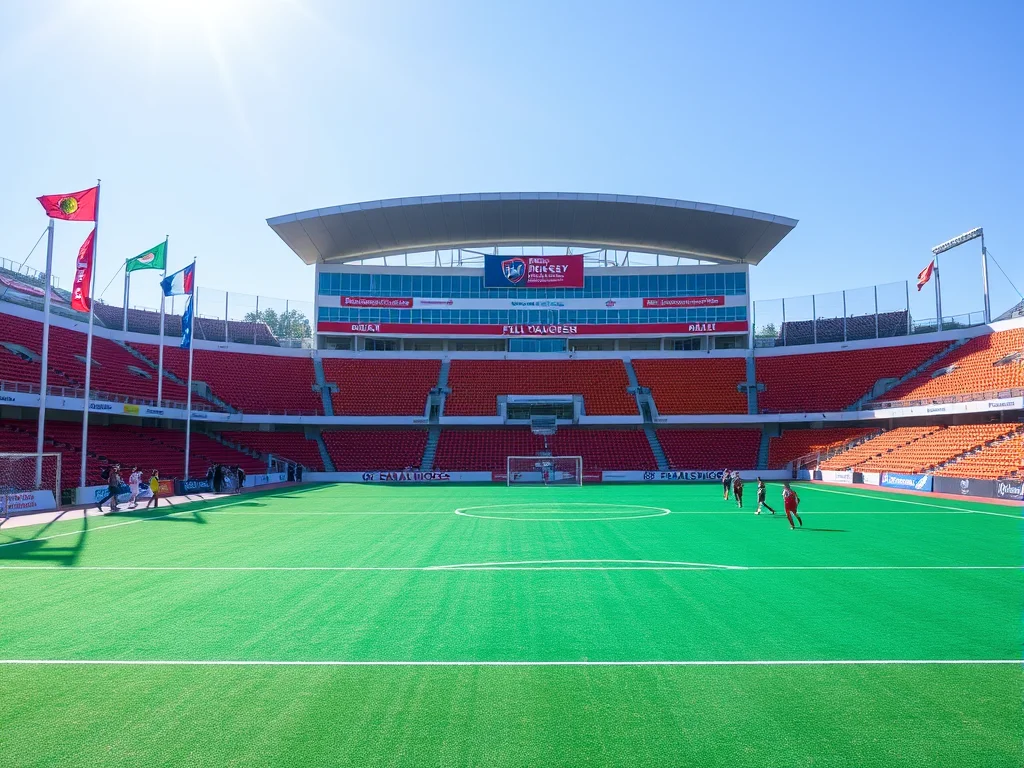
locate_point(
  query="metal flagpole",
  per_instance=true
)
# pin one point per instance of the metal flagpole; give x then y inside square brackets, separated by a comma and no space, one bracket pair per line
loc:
[984,279]
[160,358]
[191,347]
[88,343]
[938,297]
[127,291]
[41,422]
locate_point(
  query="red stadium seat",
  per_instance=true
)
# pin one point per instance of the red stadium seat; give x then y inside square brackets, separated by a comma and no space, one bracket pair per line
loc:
[705,385]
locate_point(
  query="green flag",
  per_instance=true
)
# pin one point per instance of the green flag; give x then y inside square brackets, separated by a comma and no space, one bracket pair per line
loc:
[154,258]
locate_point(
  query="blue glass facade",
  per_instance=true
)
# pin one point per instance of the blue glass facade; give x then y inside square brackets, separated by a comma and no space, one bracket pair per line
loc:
[606,286]
[472,286]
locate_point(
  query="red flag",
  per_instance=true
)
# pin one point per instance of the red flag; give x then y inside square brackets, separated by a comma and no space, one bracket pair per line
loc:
[925,275]
[80,298]
[77,206]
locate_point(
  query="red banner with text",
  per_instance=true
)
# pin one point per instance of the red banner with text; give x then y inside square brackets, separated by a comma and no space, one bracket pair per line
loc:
[525,329]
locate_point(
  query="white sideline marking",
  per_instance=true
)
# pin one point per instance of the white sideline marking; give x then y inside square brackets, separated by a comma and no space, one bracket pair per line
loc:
[709,663]
[917,503]
[658,512]
[87,530]
[523,565]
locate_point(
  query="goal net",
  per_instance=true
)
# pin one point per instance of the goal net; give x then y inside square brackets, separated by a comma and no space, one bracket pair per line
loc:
[29,482]
[545,470]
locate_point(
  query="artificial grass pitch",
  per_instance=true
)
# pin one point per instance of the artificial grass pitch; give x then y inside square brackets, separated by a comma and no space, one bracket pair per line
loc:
[464,605]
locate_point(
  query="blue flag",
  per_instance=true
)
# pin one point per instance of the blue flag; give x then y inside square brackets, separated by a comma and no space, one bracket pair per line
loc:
[186,326]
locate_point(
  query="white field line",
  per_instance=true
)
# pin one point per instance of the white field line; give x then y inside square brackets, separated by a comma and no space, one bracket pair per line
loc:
[523,565]
[917,503]
[694,663]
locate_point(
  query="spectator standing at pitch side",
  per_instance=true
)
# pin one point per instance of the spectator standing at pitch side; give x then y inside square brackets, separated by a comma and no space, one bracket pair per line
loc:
[135,484]
[154,488]
[110,474]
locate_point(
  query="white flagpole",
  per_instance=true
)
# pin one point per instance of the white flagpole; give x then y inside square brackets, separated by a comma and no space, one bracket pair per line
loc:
[88,343]
[191,347]
[41,423]
[160,359]
[127,292]
[938,297]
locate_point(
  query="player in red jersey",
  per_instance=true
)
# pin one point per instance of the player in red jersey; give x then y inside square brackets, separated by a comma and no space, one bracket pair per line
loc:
[790,502]
[737,489]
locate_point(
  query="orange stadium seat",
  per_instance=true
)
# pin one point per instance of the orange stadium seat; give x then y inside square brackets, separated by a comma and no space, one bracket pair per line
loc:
[707,449]
[974,369]
[476,384]
[706,385]
[381,387]
[484,450]
[294,446]
[831,381]
[794,443]
[996,460]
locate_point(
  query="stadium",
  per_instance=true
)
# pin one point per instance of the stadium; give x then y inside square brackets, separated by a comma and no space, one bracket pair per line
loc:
[493,441]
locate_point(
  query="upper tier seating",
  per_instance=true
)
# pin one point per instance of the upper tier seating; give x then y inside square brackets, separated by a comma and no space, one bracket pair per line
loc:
[252,383]
[294,446]
[207,328]
[380,387]
[375,450]
[115,370]
[974,369]
[943,444]
[996,461]
[703,385]
[794,443]
[832,381]
[707,449]
[830,329]
[476,384]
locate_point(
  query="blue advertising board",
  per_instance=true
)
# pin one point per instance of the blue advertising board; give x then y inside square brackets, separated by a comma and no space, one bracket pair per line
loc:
[906,482]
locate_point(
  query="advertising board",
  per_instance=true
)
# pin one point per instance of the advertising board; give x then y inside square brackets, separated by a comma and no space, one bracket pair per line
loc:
[533,271]
[906,482]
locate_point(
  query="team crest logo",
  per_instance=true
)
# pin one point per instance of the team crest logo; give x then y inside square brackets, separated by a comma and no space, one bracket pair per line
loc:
[610,303]
[514,270]
[67,205]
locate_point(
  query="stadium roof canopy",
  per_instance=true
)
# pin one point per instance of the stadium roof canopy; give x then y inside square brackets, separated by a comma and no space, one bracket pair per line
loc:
[656,225]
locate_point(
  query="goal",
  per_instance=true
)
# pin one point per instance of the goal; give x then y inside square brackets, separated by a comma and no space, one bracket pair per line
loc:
[545,470]
[29,482]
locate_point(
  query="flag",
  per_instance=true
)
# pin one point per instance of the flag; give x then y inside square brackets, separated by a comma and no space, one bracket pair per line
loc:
[186,330]
[180,283]
[83,275]
[76,206]
[154,258]
[925,275]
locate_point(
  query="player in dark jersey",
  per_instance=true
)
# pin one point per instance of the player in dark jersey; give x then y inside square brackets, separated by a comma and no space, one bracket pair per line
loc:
[737,489]
[726,484]
[761,492]
[791,501]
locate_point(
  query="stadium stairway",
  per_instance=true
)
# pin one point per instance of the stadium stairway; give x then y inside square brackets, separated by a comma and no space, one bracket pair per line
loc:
[630,372]
[766,440]
[752,385]
[656,449]
[323,386]
[325,455]
[430,450]
[885,385]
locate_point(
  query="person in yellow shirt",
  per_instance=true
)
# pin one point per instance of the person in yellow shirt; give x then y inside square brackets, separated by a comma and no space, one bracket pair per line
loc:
[154,488]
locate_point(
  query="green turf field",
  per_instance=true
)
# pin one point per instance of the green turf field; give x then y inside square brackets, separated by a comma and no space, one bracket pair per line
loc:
[376,626]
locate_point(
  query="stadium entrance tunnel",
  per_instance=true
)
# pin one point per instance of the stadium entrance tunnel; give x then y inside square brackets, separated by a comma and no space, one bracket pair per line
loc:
[562,512]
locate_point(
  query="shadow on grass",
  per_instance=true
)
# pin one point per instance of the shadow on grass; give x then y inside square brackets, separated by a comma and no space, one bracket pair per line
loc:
[824,530]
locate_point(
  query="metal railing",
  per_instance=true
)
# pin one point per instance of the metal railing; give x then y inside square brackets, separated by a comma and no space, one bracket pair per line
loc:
[992,394]
[76,393]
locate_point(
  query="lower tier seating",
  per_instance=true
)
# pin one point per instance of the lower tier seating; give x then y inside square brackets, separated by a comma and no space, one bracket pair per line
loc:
[294,446]
[879,446]
[997,460]
[941,445]
[369,450]
[794,443]
[708,449]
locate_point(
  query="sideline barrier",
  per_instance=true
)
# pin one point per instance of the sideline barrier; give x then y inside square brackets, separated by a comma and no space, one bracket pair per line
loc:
[690,475]
[20,502]
[398,476]
[91,494]
[906,482]
[252,481]
[985,489]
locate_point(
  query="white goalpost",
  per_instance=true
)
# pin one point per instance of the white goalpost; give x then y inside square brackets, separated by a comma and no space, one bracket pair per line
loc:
[19,491]
[544,470]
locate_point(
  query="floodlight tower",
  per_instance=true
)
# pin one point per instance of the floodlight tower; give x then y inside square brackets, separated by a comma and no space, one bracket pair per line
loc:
[949,245]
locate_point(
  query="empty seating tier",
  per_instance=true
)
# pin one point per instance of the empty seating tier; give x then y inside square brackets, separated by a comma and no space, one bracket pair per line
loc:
[294,446]
[1002,458]
[381,387]
[707,449]
[832,381]
[794,443]
[371,450]
[877,448]
[694,386]
[476,384]
[987,363]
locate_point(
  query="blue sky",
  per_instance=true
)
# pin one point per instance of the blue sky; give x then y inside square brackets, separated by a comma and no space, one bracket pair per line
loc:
[884,128]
